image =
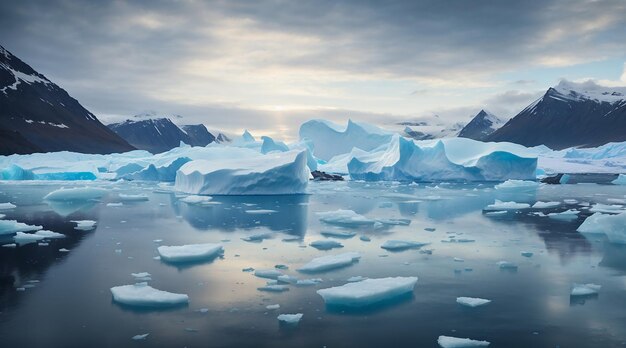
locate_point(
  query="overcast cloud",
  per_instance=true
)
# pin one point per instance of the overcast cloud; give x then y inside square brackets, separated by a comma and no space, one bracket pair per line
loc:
[269,65]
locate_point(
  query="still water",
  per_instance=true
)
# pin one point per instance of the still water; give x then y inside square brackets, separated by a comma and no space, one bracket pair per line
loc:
[67,301]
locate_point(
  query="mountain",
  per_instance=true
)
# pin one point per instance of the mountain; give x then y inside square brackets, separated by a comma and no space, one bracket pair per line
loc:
[483,124]
[198,134]
[158,135]
[222,138]
[424,130]
[36,115]
[570,114]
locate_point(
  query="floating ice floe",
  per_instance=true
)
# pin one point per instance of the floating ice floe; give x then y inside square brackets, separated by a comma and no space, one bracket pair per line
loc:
[506,265]
[133,198]
[346,218]
[545,205]
[273,288]
[325,244]
[257,237]
[472,301]
[330,262]
[76,194]
[606,208]
[267,273]
[196,200]
[368,291]
[570,214]
[115,204]
[455,342]
[621,180]
[84,225]
[308,282]
[7,205]
[260,211]
[526,253]
[272,174]
[25,238]
[190,252]
[518,185]
[143,295]
[10,245]
[500,205]
[399,245]
[286,279]
[290,318]
[140,337]
[585,289]
[12,226]
[613,226]
[338,234]
[272,307]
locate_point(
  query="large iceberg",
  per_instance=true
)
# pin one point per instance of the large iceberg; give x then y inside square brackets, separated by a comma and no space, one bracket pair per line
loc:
[143,295]
[368,291]
[271,174]
[404,160]
[613,226]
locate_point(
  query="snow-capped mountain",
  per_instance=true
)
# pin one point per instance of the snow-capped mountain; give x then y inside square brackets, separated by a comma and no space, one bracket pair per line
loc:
[570,114]
[161,134]
[483,124]
[423,130]
[222,138]
[36,115]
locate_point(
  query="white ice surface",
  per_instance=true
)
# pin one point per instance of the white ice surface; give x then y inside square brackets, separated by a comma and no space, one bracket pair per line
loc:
[190,252]
[368,291]
[143,295]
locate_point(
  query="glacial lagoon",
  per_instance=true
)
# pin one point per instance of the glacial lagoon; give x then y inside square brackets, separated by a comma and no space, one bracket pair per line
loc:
[65,298]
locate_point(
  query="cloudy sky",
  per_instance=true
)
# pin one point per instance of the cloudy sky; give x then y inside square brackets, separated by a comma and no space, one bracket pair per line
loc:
[270,65]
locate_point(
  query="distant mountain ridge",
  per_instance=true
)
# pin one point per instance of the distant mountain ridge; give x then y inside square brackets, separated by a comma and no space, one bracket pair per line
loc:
[158,135]
[36,115]
[567,115]
[481,126]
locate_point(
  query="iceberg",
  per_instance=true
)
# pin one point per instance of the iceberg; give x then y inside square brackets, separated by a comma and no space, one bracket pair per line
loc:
[325,244]
[518,185]
[404,160]
[76,194]
[290,318]
[49,234]
[400,245]
[271,174]
[472,301]
[455,342]
[346,218]
[196,200]
[621,180]
[500,205]
[269,145]
[190,252]
[613,226]
[585,289]
[25,238]
[143,295]
[330,262]
[338,234]
[12,226]
[367,292]
[267,273]
[507,265]
[568,215]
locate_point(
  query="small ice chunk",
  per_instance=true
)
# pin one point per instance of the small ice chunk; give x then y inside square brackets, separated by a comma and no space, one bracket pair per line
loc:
[7,205]
[260,211]
[190,252]
[325,244]
[196,199]
[287,279]
[272,307]
[497,212]
[63,250]
[307,282]
[500,205]
[257,237]
[24,238]
[399,245]
[338,234]
[343,217]
[84,225]
[570,201]
[267,273]
[545,205]
[290,318]
[141,276]
[330,262]
[518,185]
[118,204]
[506,265]
[455,342]
[247,269]
[133,198]
[10,245]
[49,234]
[143,295]
[368,291]
[472,301]
[274,288]
[527,253]
[567,215]
[76,194]
[365,238]
[607,208]
[585,289]
[458,259]
[140,337]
